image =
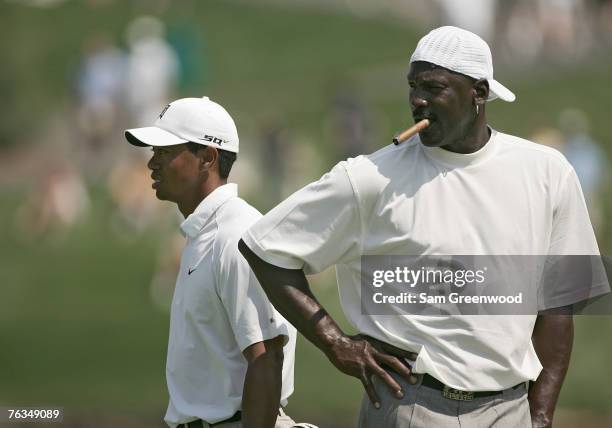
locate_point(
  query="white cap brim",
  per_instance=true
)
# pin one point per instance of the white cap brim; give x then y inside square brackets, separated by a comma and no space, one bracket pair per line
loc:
[152,136]
[497,90]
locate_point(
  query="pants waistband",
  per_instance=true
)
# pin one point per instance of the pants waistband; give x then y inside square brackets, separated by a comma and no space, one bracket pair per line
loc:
[455,394]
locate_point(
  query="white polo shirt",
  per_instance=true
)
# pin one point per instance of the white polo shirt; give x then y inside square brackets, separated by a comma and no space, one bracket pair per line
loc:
[511,197]
[218,310]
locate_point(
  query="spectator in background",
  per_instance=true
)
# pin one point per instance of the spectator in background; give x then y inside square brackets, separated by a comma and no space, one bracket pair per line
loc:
[57,203]
[587,158]
[549,136]
[476,18]
[566,34]
[572,138]
[99,90]
[523,37]
[152,70]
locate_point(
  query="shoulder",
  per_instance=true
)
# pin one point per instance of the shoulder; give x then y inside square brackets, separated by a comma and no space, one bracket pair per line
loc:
[233,218]
[237,210]
[384,156]
[530,153]
[370,174]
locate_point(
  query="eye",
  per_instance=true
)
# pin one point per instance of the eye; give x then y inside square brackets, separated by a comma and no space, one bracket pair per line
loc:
[435,88]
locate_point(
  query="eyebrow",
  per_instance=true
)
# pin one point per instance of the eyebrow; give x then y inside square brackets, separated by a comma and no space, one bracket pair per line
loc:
[439,79]
[436,79]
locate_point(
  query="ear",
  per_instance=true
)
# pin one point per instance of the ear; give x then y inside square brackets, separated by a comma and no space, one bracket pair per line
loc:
[481,91]
[208,158]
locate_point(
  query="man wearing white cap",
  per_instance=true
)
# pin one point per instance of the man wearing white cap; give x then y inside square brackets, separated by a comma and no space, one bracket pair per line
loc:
[460,187]
[230,354]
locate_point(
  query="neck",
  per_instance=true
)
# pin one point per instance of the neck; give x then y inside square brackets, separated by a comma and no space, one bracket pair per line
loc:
[208,186]
[476,137]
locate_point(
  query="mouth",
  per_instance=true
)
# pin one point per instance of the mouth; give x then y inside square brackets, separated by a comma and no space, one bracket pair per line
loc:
[427,132]
[417,119]
[156,182]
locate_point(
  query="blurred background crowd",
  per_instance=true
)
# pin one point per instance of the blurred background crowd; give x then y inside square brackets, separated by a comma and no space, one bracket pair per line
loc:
[88,255]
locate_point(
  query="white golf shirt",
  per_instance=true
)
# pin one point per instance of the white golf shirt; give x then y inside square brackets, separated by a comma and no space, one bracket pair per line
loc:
[511,197]
[218,310]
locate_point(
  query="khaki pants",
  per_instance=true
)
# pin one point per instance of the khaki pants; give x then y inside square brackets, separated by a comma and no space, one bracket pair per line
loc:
[424,407]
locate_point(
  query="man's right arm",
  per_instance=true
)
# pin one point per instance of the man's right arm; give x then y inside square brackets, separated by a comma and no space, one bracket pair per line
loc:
[358,356]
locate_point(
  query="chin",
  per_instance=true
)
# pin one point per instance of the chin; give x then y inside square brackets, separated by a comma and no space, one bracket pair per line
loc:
[160,195]
[430,142]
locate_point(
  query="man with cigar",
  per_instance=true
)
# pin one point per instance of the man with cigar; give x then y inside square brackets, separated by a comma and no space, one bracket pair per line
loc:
[460,187]
[230,354]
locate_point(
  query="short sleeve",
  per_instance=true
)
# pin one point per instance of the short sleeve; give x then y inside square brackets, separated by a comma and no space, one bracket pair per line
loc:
[572,232]
[316,227]
[250,313]
[574,272]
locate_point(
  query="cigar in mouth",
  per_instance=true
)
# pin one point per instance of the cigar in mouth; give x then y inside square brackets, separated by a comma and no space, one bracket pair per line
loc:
[408,133]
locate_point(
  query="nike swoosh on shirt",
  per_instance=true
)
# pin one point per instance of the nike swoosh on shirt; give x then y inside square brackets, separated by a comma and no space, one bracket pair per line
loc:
[190,271]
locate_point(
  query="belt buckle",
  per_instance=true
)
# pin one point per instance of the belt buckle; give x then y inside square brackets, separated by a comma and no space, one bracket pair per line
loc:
[457,394]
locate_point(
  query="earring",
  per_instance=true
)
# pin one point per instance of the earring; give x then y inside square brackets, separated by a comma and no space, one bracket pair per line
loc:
[477,111]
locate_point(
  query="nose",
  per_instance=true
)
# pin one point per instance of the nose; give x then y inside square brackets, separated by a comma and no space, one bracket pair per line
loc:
[152,164]
[417,100]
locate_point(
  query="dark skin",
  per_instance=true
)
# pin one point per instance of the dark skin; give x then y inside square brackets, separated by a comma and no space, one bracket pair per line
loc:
[553,337]
[450,101]
[442,96]
[359,356]
[186,178]
[265,367]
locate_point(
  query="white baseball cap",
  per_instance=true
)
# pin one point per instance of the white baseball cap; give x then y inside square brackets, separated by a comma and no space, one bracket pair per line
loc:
[464,52]
[197,120]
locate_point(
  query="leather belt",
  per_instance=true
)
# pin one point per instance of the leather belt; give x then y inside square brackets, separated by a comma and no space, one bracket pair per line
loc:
[456,394]
[198,423]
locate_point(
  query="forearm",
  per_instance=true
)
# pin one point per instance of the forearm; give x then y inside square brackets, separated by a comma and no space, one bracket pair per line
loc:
[289,292]
[296,302]
[262,390]
[357,356]
[553,337]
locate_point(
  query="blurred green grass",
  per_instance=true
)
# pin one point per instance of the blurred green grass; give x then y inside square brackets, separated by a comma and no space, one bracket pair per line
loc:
[77,324]
[78,330]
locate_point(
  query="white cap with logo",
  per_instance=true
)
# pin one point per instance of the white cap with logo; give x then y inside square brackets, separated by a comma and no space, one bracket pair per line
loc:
[463,52]
[197,120]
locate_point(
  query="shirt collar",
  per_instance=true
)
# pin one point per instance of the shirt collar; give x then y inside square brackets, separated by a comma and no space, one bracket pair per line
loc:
[192,225]
[453,159]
